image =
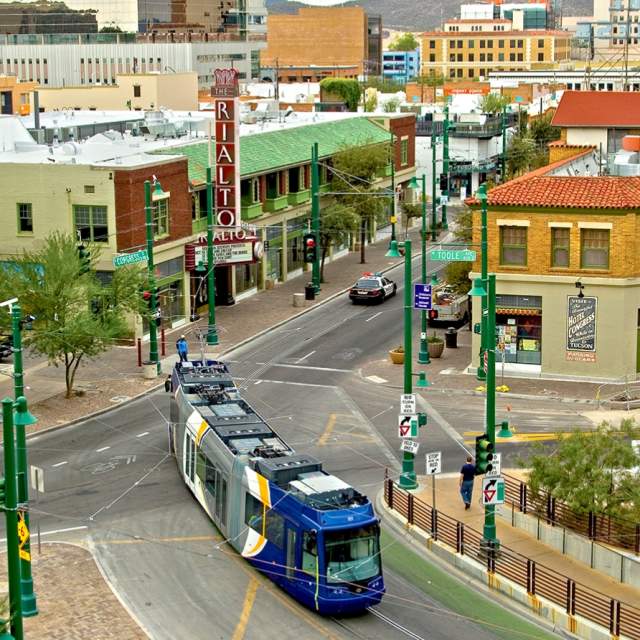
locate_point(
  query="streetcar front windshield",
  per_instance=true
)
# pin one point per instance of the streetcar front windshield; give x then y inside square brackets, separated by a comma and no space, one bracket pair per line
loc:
[352,555]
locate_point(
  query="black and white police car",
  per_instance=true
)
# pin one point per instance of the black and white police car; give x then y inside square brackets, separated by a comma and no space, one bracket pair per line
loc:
[372,287]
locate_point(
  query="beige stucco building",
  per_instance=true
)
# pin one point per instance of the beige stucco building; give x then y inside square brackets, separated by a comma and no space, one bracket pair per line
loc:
[564,247]
[135,91]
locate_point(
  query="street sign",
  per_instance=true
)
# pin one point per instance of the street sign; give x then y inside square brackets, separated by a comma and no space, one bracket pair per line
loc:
[37,479]
[450,255]
[492,491]
[130,258]
[408,426]
[408,404]
[434,462]
[23,536]
[495,467]
[421,296]
[410,446]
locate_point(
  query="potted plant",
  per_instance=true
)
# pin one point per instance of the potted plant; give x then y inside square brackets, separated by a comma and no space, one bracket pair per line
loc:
[435,346]
[397,355]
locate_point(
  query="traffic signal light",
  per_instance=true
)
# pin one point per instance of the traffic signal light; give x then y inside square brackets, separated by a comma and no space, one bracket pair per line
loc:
[433,314]
[310,248]
[444,183]
[146,296]
[484,454]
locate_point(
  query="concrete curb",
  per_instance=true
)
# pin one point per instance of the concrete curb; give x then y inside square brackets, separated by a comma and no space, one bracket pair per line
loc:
[499,589]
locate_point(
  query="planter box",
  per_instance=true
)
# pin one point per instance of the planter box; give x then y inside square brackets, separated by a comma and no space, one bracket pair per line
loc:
[250,211]
[435,349]
[397,357]
[299,197]
[276,204]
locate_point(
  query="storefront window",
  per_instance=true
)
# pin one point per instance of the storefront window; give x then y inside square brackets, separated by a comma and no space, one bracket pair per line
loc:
[513,246]
[594,248]
[246,277]
[519,329]
[295,230]
[274,252]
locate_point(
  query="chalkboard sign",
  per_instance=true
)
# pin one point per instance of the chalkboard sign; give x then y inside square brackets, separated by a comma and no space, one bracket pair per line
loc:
[581,323]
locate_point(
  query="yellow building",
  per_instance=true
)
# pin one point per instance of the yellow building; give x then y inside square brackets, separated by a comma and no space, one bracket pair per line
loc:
[472,48]
[564,247]
[136,91]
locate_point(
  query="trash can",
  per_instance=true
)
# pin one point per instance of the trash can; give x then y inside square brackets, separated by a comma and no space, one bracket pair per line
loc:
[451,338]
[309,291]
[149,370]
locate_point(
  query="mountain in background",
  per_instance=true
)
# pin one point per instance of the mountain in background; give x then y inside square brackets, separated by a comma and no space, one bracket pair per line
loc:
[413,15]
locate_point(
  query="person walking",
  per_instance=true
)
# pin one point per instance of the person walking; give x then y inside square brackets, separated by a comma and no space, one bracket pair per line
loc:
[467,475]
[182,347]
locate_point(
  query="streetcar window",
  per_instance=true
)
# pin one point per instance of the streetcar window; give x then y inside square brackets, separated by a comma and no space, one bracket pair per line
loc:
[275,529]
[253,513]
[352,554]
[210,477]
[221,498]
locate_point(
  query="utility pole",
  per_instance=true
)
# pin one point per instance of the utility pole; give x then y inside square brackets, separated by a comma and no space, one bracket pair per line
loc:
[482,196]
[408,475]
[393,191]
[503,158]
[11,515]
[315,215]
[626,49]
[212,333]
[445,165]
[153,301]
[489,531]
[434,203]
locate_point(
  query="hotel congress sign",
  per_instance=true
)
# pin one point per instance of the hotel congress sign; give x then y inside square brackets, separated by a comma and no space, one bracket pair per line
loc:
[581,328]
[227,170]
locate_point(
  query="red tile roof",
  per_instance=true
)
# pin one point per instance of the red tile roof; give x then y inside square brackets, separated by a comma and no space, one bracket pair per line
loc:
[584,192]
[598,109]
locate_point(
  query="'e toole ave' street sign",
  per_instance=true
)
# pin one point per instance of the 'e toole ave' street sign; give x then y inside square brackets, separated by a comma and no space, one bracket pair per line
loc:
[453,255]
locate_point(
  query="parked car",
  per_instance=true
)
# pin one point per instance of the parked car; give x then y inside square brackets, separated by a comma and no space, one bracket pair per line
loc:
[372,287]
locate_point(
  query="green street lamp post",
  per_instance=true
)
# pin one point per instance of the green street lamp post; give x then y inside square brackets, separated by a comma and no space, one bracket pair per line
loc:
[153,301]
[23,418]
[315,215]
[393,252]
[212,333]
[11,516]
[408,475]
[484,259]
[445,164]
[503,157]
[423,354]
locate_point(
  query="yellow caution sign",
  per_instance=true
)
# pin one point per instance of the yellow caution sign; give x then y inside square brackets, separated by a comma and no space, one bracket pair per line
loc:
[23,536]
[25,555]
[394,219]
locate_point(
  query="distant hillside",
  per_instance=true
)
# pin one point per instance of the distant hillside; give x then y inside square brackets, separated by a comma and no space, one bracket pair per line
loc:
[413,16]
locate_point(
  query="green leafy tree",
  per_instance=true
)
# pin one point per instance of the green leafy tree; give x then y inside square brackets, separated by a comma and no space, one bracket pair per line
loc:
[406,42]
[542,131]
[76,316]
[371,103]
[382,84]
[590,471]
[111,29]
[355,170]
[522,155]
[457,273]
[391,106]
[348,90]
[337,223]
[493,103]
[410,211]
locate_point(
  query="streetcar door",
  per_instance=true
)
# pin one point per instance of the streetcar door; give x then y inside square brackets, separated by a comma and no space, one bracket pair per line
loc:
[189,459]
[291,553]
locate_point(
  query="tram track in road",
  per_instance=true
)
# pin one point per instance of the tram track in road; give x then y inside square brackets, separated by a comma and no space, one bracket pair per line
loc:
[390,622]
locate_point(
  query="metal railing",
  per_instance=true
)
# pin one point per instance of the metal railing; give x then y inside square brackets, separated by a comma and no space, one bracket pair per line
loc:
[617,532]
[619,617]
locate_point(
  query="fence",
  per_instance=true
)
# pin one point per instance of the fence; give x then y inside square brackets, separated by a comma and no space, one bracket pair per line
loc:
[576,599]
[617,532]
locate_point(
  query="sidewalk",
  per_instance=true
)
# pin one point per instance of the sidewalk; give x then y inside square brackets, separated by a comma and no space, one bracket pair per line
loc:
[449,502]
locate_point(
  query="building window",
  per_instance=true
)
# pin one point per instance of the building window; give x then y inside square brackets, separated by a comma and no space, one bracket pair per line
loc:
[471,44]
[460,57]
[489,44]
[541,57]
[520,44]
[452,44]
[452,73]
[513,246]
[501,58]
[512,44]
[91,223]
[489,57]
[482,57]
[482,44]
[89,188]
[541,44]
[512,57]
[432,57]
[459,73]
[501,44]
[432,44]
[594,245]
[520,57]
[471,73]
[471,57]
[459,44]
[560,247]
[452,57]
[161,218]
[404,152]
[137,91]
[25,217]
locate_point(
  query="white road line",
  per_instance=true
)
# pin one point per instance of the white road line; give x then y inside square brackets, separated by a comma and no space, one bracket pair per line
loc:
[305,357]
[59,464]
[56,531]
[141,435]
[295,384]
[376,379]
[258,382]
[102,449]
[374,316]
[302,366]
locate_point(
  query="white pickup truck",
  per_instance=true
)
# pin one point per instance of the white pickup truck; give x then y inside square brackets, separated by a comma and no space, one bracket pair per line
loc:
[451,307]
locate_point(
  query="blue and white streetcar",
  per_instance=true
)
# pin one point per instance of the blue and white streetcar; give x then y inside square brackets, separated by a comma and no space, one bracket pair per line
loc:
[308,531]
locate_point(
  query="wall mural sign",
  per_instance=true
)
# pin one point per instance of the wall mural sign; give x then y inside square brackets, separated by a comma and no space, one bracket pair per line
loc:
[581,324]
[227,161]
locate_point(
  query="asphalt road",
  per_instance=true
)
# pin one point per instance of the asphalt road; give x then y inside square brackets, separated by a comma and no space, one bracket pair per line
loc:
[111,480]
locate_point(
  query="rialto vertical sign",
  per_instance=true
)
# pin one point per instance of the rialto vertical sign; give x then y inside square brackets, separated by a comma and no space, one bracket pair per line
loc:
[227,161]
